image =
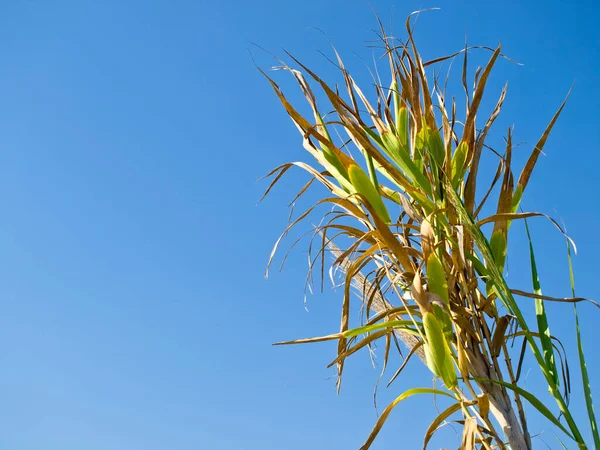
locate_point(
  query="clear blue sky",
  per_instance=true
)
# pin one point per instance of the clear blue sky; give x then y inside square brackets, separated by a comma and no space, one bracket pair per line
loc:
[134,313]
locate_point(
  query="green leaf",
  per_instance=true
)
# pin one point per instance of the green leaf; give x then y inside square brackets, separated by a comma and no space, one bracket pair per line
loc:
[498,247]
[378,326]
[400,155]
[420,148]
[458,164]
[516,200]
[402,127]
[587,390]
[329,154]
[372,171]
[436,146]
[540,313]
[561,442]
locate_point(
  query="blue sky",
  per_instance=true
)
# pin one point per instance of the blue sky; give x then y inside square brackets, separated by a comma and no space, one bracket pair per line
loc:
[134,311]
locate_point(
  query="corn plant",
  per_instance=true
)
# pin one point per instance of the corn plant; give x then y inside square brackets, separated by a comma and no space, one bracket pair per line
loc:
[405,230]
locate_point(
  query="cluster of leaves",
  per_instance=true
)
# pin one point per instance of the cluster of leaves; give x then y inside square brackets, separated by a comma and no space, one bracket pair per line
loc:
[428,274]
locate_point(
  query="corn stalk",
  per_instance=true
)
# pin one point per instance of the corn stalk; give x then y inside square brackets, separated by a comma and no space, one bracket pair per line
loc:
[404,205]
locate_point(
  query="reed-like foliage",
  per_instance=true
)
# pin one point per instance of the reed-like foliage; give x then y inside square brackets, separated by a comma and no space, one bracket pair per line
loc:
[402,186]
